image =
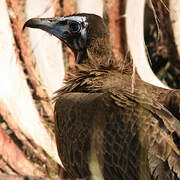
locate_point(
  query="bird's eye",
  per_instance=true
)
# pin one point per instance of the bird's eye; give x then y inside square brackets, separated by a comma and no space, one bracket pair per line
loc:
[74,27]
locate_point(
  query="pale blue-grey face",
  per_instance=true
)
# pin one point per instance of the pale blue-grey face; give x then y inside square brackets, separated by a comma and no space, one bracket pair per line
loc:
[80,32]
[71,29]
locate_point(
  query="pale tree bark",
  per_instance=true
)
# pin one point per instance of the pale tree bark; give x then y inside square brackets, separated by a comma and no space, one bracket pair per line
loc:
[93,6]
[47,50]
[135,39]
[18,107]
[174,10]
[18,17]
[16,94]
[13,161]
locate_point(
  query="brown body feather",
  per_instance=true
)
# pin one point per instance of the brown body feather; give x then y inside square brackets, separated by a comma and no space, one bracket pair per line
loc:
[136,131]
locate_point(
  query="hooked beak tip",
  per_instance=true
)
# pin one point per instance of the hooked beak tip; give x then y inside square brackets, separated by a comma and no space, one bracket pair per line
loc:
[32,23]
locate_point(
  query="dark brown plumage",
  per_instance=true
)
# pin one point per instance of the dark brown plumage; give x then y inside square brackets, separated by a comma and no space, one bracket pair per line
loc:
[103,129]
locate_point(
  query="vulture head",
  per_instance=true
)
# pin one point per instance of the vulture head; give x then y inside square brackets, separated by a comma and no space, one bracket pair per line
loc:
[86,34]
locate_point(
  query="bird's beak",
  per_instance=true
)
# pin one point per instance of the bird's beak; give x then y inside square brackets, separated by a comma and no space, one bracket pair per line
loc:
[54,26]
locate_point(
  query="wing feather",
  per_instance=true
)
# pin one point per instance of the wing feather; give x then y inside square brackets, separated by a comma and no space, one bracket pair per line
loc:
[116,135]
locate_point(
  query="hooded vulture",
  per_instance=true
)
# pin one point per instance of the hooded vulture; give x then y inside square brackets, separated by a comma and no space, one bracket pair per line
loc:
[103,129]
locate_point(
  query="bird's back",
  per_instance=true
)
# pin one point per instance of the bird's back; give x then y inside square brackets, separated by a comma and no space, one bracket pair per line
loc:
[96,136]
[108,130]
